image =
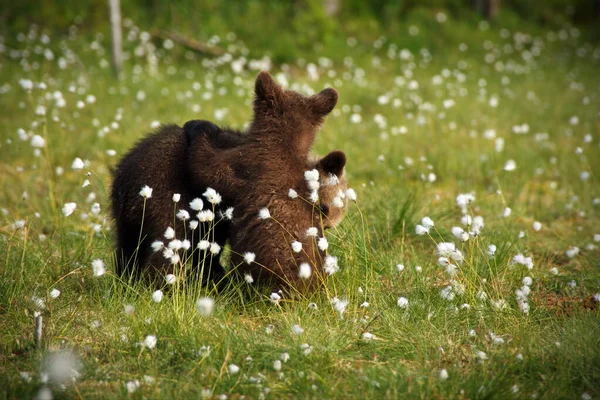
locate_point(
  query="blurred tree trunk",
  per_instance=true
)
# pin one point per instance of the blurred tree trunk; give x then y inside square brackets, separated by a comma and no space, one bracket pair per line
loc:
[488,8]
[116,35]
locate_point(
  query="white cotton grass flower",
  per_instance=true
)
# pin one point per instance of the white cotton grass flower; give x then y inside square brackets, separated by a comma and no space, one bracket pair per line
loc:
[572,251]
[132,386]
[510,165]
[203,245]
[323,243]
[312,232]
[68,208]
[402,302]
[460,234]
[443,374]
[275,298]
[339,305]
[368,336]
[314,196]
[292,194]
[522,260]
[491,250]
[554,271]
[38,142]
[264,213]
[174,244]
[351,194]
[312,175]
[197,204]
[421,230]
[337,202]
[157,296]
[400,267]
[77,164]
[215,248]
[176,197]
[212,196]
[205,306]
[98,267]
[427,223]
[537,226]
[183,215]
[507,211]
[227,214]
[249,257]
[248,278]
[296,246]
[331,265]
[170,279]
[205,216]
[305,271]
[146,192]
[297,329]
[233,369]
[175,259]
[169,233]
[277,365]
[61,367]
[150,342]
[54,293]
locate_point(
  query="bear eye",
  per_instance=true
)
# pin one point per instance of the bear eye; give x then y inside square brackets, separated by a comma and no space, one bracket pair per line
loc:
[324,209]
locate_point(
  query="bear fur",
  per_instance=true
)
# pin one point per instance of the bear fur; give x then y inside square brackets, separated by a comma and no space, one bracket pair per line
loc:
[251,171]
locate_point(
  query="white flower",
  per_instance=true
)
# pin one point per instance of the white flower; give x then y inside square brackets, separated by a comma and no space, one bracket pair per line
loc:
[527,281]
[460,233]
[215,248]
[146,192]
[312,232]
[296,246]
[274,298]
[331,265]
[233,369]
[77,164]
[227,214]
[37,141]
[323,243]
[212,196]
[248,278]
[132,386]
[521,259]
[40,110]
[481,355]
[351,194]
[305,271]
[98,267]
[421,230]
[175,244]
[491,250]
[337,202]
[284,357]
[443,374]
[183,215]
[205,306]
[249,257]
[554,271]
[203,245]
[572,251]
[68,209]
[427,223]
[264,213]
[150,341]
[205,216]
[175,259]
[169,233]
[176,197]
[297,329]
[537,226]
[339,305]
[292,194]
[196,204]
[157,296]
[312,175]
[168,253]
[402,302]
[510,165]
[170,279]
[368,336]
[507,212]
[400,267]
[54,293]
[314,196]
[277,365]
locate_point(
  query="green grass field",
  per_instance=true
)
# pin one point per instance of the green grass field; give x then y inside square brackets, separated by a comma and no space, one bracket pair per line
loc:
[511,117]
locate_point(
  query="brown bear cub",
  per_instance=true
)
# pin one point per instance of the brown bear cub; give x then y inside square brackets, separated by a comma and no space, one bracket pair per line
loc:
[281,198]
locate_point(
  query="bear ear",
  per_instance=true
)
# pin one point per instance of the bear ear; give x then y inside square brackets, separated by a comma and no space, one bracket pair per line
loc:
[266,88]
[333,163]
[323,102]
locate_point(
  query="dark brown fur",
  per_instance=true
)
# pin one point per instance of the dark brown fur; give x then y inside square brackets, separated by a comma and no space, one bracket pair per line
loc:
[250,171]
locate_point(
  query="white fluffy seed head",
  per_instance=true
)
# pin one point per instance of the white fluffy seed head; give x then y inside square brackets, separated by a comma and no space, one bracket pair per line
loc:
[305,271]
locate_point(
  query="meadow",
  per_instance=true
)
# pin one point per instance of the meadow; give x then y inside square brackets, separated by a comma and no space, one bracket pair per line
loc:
[469,262]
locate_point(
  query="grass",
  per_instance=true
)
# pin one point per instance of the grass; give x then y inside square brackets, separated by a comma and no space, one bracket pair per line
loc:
[553,351]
